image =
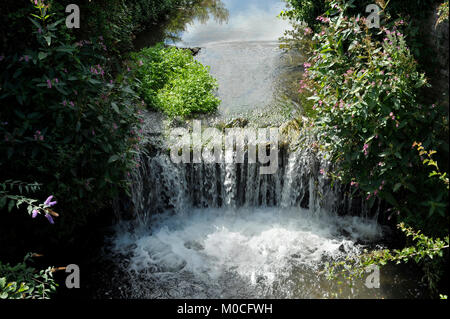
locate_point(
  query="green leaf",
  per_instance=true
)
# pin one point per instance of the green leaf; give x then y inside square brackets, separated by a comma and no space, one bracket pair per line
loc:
[48,39]
[10,205]
[397,187]
[42,55]
[115,107]
[113,158]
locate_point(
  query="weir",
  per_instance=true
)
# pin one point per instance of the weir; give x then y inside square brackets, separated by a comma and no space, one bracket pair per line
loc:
[300,180]
[223,230]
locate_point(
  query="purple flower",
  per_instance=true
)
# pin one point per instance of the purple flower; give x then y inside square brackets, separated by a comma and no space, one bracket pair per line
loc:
[48,201]
[34,213]
[50,218]
[49,84]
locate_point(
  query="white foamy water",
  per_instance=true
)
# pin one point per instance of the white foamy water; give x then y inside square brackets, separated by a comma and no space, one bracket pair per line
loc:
[229,253]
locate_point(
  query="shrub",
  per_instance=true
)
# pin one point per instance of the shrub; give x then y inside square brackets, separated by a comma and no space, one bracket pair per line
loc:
[22,281]
[66,121]
[366,96]
[174,82]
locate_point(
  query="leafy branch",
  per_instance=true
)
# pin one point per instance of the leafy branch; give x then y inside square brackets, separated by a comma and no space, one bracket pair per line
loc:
[425,247]
[10,200]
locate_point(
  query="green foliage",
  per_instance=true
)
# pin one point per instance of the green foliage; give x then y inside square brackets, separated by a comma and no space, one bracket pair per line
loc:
[366,95]
[70,124]
[25,282]
[443,177]
[174,82]
[306,11]
[442,12]
[365,88]
[424,249]
[10,199]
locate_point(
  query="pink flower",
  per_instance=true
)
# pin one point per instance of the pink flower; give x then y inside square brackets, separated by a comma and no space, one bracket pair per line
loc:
[366,149]
[49,84]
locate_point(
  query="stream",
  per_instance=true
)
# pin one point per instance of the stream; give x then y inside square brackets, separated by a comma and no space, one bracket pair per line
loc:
[223,230]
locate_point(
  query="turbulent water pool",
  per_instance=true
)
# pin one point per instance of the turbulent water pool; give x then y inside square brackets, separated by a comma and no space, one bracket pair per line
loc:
[249,253]
[224,231]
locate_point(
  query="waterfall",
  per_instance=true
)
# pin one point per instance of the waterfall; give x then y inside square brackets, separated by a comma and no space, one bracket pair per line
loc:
[223,230]
[160,185]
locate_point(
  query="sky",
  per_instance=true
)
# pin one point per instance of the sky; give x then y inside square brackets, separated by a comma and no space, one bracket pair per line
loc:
[250,20]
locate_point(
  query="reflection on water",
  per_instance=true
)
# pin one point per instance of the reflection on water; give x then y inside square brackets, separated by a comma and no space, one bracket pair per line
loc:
[239,41]
[251,20]
[171,30]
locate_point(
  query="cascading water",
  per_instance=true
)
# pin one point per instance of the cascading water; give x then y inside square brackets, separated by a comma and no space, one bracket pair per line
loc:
[225,231]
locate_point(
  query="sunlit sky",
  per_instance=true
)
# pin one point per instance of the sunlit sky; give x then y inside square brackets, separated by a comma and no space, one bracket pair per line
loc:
[250,20]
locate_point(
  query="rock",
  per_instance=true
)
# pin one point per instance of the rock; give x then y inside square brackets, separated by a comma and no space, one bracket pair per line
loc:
[195,51]
[238,122]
